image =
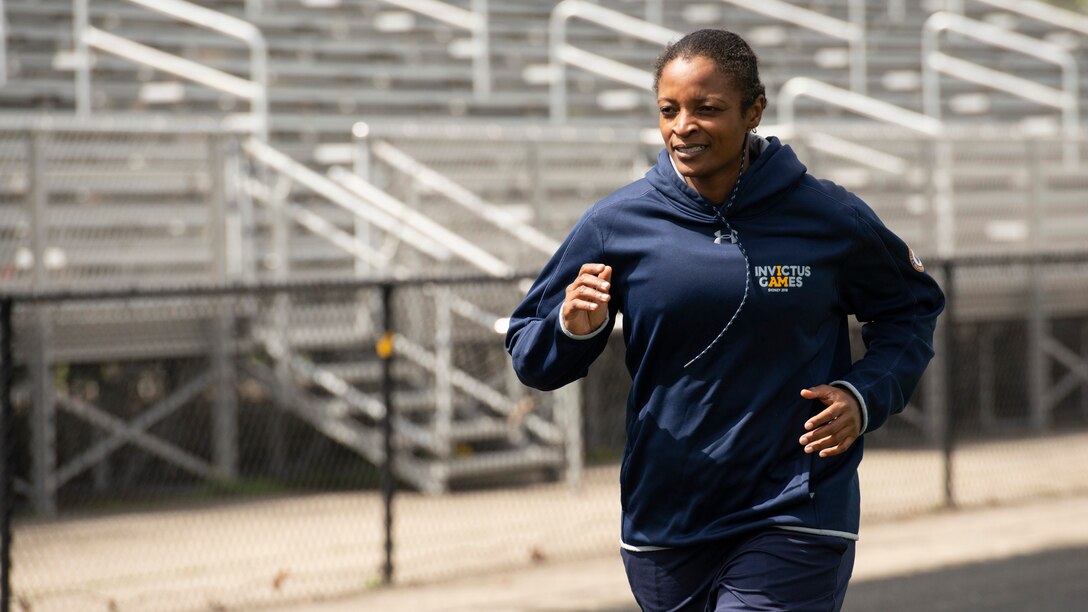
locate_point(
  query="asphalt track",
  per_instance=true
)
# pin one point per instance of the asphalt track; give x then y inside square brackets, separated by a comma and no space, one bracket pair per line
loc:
[1048,581]
[1051,581]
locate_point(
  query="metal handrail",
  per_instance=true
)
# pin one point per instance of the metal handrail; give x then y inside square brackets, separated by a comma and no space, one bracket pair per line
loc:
[934,61]
[1032,9]
[255,90]
[562,53]
[853,31]
[435,232]
[428,177]
[377,207]
[323,228]
[474,20]
[856,152]
[880,110]
[325,187]
[855,102]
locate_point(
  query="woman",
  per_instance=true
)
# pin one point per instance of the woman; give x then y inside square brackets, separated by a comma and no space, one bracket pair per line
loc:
[735,272]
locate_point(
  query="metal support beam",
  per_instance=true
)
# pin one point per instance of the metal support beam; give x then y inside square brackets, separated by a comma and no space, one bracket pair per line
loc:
[1076,375]
[43,420]
[136,428]
[225,409]
[362,161]
[986,377]
[134,435]
[83,59]
[1038,361]
[481,50]
[569,408]
[443,377]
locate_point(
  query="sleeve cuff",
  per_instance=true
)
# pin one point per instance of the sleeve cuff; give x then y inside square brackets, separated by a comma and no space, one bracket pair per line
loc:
[861,401]
[591,334]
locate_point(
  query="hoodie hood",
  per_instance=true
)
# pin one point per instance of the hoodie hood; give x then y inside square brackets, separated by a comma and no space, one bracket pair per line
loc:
[773,170]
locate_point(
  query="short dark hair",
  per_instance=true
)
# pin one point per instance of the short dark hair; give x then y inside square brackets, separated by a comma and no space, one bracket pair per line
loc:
[729,52]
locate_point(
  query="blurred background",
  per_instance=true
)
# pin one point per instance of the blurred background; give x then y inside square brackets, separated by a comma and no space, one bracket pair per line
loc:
[212,213]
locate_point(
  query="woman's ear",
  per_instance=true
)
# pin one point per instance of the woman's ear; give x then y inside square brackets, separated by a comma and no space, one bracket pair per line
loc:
[755,112]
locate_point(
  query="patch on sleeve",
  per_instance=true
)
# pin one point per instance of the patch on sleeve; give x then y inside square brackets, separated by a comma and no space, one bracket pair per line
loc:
[915,261]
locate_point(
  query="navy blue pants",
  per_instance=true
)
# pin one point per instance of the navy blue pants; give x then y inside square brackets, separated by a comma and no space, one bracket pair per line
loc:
[773,569]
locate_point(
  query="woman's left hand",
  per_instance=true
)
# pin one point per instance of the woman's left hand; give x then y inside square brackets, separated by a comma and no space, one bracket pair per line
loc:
[834,430]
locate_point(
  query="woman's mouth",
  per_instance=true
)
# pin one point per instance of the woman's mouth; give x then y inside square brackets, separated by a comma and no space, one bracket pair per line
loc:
[687,152]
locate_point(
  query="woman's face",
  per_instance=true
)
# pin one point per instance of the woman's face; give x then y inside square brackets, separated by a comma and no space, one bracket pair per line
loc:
[702,123]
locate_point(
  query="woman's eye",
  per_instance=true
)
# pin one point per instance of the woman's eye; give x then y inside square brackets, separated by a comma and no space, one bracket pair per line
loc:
[666,110]
[708,109]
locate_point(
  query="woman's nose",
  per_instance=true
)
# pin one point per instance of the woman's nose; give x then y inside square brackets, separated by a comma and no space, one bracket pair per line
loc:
[684,124]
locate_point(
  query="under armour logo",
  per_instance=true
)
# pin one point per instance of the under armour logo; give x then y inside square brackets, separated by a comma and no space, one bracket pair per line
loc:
[719,236]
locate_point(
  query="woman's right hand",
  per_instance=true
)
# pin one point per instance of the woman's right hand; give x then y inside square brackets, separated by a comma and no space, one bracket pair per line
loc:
[585,306]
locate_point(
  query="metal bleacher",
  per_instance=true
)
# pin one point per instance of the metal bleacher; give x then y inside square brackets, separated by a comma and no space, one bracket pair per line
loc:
[152,187]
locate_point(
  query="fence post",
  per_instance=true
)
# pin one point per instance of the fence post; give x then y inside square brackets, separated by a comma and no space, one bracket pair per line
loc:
[385,352]
[948,428]
[7,453]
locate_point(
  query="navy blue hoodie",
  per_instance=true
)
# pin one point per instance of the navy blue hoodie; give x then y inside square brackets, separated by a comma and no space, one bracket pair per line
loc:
[712,433]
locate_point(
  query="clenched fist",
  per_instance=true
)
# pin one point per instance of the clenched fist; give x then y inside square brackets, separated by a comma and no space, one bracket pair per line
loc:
[585,306]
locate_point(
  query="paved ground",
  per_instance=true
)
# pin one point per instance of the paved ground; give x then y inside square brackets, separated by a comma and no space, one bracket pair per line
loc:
[1015,558]
[1048,581]
[499,545]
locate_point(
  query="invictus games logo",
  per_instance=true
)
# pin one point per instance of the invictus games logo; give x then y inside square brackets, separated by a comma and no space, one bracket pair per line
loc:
[779,279]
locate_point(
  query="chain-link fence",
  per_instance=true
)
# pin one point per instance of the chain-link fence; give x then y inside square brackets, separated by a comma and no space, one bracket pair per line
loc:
[224,447]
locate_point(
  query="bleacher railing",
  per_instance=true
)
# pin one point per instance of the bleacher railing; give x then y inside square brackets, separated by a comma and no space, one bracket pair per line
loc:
[934,62]
[562,53]
[1038,11]
[391,218]
[852,31]
[254,90]
[939,172]
[474,20]
[428,178]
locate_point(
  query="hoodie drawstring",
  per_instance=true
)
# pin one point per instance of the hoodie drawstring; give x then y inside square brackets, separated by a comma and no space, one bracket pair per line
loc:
[734,237]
